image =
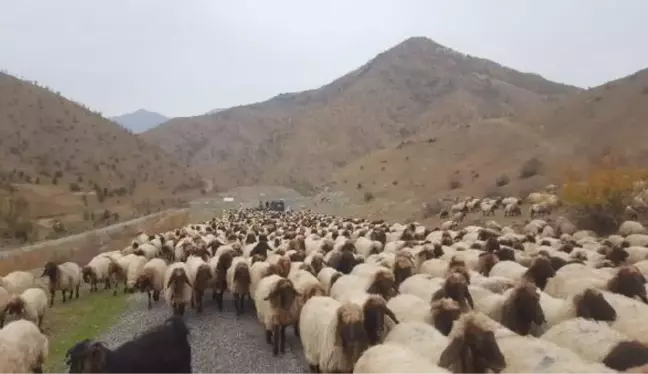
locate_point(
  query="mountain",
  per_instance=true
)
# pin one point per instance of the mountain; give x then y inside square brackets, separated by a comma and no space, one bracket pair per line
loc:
[213,111]
[139,120]
[299,139]
[605,120]
[55,148]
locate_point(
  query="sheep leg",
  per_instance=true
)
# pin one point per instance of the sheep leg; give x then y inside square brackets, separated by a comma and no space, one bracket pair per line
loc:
[314,368]
[276,336]
[107,284]
[296,327]
[282,344]
[268,336]
[242,301]
[199,295]
[77,291]
[148,293]
[63,293]
[181,309]
[52,294]
[236,304]
[2,318]
[156,296]
[40,323]
[38,369]
[219,300]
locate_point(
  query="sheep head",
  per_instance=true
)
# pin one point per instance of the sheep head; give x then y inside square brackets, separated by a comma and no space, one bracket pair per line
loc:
[87,357]
[203,276]
[444,312]
[15,306]
[456,288]
[144,281]
[522,308]
[540,271]
[283,294]
[51,270]
[88,274]
[629,282]
[383,284]
[592,305]
[177,279]
[350,332]
[486,262]
[472,348]
[374,311]
[403,268]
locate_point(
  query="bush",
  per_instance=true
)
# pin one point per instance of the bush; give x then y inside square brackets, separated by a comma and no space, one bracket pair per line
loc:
[598,197]
[74,187]
[454,183]
[502,180]
[368,196]
[530,168]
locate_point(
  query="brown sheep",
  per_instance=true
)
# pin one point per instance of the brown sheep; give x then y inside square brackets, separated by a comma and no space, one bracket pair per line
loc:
[522,308]
[473,347]
[539,272]
[456,288]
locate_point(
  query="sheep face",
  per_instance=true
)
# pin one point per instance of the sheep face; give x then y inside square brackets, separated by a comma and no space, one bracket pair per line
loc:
[522,309]
[87,357]
[15,306]
[375,310]
[317,263]
[283,295]
[486,263]
[403,269]
[540,272]
[445,312]
[628,355]
[476,351]
[177,280]
[51,271]
[144,282]
[617,255]
[592,305]
[456,288]
[350,333]
[88,274]
[629,282]
[505,254]
[298,256]
[383,285]
[203,276]
[250,238]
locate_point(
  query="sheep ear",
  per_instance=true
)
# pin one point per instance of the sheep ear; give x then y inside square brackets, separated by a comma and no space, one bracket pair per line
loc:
[451,354]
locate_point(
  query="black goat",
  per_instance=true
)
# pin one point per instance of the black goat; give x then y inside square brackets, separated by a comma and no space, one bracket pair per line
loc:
[163,349]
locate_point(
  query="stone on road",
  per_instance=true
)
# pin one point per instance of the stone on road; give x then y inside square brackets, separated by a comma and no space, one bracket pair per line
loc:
[220,342]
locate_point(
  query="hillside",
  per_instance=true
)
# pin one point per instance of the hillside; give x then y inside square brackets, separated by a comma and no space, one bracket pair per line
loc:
[67,161]
[139,120]
[585,126]
[299,139]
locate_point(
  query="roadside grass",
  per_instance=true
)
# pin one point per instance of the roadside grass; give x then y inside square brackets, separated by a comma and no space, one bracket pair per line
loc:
[85,318]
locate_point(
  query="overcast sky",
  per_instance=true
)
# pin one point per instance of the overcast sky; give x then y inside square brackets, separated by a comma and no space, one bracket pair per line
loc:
[185,57]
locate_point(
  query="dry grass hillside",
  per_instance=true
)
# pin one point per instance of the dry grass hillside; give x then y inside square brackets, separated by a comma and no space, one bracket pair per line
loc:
[299,139]
[62,161]
[504,155]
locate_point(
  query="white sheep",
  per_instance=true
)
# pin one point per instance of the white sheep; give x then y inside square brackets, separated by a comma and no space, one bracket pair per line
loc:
[275,300]
[97,271]
[306,286]
[178,290]
[30,305]
[23,348]
[598,342]
[394,358]
[65,277]
[327,277]
[238,282]
[332,334]
[151,278]
[17,281]
[134,268]
[631,227]
[440,313]
[629,311]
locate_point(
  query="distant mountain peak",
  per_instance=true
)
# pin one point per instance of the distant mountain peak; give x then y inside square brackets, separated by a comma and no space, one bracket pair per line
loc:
[140,120]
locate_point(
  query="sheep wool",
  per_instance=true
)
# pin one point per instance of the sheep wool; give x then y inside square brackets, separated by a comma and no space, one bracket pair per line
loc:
[394,358]
[23,348]
[30,305]
[17,281]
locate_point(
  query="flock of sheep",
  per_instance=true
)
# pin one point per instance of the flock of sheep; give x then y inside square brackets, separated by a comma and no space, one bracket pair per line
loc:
[367,297]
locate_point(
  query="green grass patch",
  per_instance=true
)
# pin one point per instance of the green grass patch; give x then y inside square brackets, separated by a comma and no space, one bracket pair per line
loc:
[85,318]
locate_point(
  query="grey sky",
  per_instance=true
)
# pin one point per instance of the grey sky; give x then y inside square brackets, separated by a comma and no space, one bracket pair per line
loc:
[185,57]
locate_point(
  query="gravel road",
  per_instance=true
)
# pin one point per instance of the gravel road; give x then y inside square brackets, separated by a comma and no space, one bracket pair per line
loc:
[220,342]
